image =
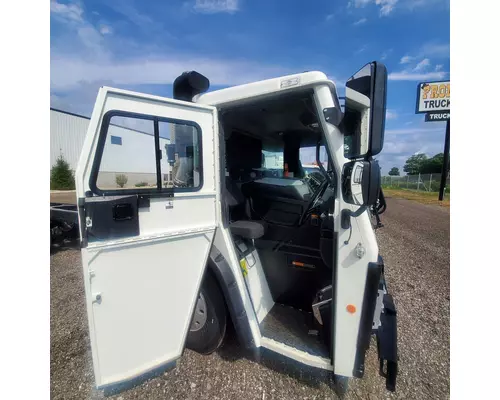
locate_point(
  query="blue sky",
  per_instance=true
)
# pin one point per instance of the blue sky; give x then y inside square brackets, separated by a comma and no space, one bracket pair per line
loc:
[145,45]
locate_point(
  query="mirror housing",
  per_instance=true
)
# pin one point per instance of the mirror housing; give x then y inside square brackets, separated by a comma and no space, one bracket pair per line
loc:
[364,112]
[170,150]
[361,182]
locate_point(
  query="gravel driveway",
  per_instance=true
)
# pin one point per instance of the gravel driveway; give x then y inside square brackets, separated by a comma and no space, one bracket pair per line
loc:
[415,247]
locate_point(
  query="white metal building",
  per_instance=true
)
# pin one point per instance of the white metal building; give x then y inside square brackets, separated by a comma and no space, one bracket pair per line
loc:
[67,134]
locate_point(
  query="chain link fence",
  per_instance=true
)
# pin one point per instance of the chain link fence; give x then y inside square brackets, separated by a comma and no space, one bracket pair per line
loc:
[420,182]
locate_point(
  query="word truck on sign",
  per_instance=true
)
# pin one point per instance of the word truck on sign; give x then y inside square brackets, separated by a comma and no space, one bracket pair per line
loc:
[433,96]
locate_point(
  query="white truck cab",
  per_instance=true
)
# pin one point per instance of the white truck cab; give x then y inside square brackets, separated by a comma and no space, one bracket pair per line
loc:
[214,235]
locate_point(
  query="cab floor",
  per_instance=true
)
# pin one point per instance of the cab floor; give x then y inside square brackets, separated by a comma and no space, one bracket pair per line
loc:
[292,327]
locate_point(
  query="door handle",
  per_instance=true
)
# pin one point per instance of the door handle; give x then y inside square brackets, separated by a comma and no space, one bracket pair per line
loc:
[96,298]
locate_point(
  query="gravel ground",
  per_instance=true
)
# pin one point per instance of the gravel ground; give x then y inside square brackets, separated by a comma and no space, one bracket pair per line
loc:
[415,247]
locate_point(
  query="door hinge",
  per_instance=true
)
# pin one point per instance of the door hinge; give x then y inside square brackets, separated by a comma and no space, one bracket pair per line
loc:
[88,222]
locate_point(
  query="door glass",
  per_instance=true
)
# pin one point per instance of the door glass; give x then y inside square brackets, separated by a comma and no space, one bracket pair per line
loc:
[133,159]
[180,155]
[307,156]
[272,163]
[128,160]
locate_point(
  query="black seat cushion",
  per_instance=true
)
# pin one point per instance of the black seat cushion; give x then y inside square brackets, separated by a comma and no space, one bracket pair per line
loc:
[247,229]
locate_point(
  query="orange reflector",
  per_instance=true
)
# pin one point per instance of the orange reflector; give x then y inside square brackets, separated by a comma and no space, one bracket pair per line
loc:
[351,309]
[298,264]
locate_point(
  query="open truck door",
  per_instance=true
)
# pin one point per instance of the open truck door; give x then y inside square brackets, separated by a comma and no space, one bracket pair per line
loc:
[145,233]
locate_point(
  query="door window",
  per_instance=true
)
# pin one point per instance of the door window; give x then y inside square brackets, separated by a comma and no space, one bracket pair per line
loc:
[139,153]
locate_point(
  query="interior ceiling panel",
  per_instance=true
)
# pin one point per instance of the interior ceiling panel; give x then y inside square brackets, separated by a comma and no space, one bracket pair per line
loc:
[271,118]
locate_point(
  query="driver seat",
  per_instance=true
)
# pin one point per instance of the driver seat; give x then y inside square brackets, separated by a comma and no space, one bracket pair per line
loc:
[239,208]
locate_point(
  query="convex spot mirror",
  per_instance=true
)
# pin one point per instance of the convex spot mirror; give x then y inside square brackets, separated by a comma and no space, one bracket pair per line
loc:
[364,111]
[361,182]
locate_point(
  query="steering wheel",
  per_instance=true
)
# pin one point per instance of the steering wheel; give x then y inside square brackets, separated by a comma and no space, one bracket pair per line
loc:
[313,202]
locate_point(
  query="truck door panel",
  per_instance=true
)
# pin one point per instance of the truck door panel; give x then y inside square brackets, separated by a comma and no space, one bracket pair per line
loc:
[144,248]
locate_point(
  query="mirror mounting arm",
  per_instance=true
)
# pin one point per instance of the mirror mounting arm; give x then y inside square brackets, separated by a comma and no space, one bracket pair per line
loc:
[345,218]
[333,115]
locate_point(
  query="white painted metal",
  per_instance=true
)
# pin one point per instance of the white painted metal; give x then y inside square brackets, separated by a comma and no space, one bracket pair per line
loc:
[361,103]
[224,243]
[260,294]
[270,87]
[295,354]
[147,284]
[351,271]
[350,277]
[168,234]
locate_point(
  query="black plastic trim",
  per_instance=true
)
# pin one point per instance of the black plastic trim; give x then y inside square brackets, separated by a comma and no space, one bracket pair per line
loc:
[373,275]
[379,98]
[225,277]
[143,201]
[157,153]
[103,133]
[387,343]
[333,115]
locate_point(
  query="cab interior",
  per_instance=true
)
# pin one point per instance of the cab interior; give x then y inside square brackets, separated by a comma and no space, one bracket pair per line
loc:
[276,200]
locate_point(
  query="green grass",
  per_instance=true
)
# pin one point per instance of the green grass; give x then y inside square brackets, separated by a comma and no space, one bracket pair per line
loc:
[419,196]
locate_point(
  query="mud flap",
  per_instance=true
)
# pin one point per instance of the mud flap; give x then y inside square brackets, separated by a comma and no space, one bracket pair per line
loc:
[387,343]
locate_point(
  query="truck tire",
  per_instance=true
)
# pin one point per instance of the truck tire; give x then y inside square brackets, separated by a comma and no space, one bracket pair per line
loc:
[208,324]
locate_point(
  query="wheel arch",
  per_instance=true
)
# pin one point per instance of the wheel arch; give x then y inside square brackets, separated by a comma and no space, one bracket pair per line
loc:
[218,266]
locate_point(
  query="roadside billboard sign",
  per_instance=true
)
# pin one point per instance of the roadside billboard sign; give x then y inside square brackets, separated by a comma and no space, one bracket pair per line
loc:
[436,116]
[433,96]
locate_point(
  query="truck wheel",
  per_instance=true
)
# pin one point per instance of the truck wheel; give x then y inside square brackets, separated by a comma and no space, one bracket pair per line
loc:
[208,325]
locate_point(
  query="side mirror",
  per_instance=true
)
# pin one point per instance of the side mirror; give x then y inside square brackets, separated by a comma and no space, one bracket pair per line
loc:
[364,112]
[361,182]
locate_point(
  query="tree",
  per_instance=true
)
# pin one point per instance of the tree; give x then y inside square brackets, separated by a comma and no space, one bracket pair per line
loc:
[61,176]
[433,165]
[121,180]
[394,171]
[414,164]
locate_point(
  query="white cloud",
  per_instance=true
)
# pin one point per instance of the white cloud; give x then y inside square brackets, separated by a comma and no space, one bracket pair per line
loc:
[106,30]
[409,76]
[391,114]
[69,73]
[412,131]
[329,17]
[406,59]
[66,12]
[386,6]
[216,6]
[438,50]
[360,21]
[359,3]
[439,67]
[361,49]
[422,65]
[385,54]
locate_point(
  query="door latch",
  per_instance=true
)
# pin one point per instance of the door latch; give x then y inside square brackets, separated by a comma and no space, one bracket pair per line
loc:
[96,298]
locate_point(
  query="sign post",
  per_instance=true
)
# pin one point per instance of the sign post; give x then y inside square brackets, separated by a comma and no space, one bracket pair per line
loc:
[433,99]
[446,160]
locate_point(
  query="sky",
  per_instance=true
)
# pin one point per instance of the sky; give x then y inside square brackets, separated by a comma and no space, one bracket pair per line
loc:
[143,46]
